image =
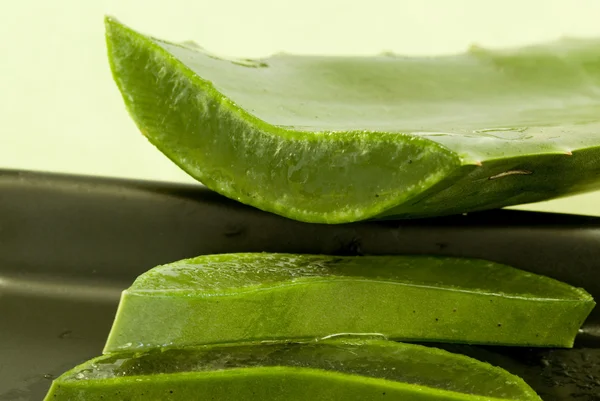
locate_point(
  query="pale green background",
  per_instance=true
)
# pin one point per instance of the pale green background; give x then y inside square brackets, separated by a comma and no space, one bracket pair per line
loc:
[60,111]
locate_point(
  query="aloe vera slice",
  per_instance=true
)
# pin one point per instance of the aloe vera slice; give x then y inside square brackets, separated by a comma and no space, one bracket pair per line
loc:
[259,296]
[342,369]
[341,139]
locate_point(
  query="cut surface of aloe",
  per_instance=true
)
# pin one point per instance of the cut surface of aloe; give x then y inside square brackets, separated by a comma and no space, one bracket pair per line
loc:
[259,296]
[341,369]
[341,139]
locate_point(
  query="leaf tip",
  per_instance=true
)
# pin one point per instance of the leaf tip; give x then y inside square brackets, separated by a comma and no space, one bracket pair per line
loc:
[109,20]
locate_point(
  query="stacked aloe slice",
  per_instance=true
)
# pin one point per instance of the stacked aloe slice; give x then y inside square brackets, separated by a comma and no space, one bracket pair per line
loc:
[310,327]
[336,140]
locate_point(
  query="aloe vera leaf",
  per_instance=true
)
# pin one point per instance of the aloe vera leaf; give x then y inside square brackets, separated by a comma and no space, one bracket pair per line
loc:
[259,296]
[341,139]
[341,369]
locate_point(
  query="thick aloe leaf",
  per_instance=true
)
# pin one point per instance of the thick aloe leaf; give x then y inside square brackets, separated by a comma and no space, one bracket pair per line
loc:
[342,369]
[248,297]
[341,139]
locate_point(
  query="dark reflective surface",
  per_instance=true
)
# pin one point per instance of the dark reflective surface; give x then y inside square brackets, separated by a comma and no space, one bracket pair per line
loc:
[69,245]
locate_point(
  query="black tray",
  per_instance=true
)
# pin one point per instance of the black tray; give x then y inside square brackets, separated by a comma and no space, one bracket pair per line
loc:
[70,244]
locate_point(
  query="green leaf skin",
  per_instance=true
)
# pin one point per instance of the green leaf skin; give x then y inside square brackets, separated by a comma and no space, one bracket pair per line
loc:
[348,369]
[342,139]
[233,298]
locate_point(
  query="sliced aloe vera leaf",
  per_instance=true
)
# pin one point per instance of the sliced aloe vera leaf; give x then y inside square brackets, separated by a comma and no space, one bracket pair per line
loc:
[341,139]
[341,369]
[259,296]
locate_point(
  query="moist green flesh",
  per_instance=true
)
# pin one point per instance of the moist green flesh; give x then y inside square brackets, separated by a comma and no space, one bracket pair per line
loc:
[333,140]
[247,297]
[329,369]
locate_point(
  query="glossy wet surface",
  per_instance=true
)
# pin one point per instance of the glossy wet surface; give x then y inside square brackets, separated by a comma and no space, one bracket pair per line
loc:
[381,359]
